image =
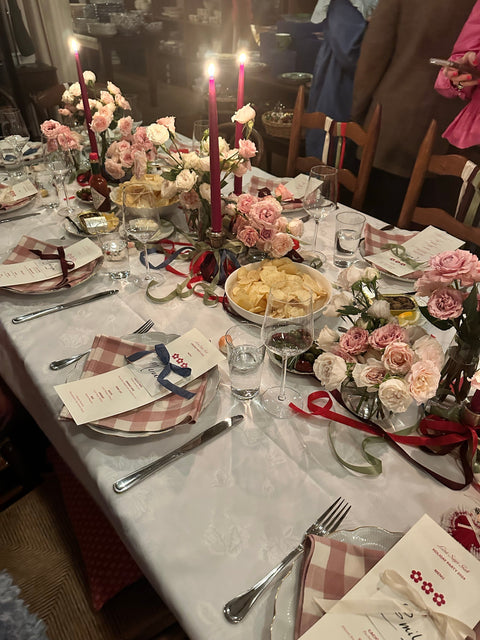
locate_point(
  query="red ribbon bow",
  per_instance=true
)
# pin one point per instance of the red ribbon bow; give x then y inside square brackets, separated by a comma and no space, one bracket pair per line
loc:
[65,264]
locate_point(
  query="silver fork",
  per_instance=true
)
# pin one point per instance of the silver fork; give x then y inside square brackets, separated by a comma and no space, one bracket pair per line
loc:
[60,364]
[237,608]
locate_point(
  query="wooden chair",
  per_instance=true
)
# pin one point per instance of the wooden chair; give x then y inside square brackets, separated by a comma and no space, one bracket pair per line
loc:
[462,225]
[339,133]
[227,131]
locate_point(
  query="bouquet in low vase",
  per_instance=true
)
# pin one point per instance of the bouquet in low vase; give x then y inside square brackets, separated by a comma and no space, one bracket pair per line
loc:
[379,367]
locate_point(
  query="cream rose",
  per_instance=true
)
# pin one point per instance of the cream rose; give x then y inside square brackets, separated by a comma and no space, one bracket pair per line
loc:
[158,133]
[75,89]
[428,348]
[185,179]
[369,375]
[331,370]
[326,338]
[205,192]
[244,114]
[190,160]
[339,300]
[398,358]
[379,309]
[89,77]
[394,395]
[423,380]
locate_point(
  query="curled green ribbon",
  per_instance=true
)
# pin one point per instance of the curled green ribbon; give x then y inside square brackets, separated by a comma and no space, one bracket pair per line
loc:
[400,252]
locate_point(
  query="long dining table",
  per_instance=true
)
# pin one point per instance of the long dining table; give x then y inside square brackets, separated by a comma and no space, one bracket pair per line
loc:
[211,524]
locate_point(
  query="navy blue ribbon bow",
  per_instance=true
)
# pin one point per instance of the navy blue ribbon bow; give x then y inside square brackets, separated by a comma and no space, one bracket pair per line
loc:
[164,357]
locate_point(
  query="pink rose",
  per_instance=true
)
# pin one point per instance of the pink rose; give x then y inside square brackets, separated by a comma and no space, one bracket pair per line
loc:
[337,350]
[246,148]
[266,211]
[281,244]
[398,358]
[169,122]
[139,163]
[127,158]
[245,202]
[122,103]
[50,128]
[106,97]
[369,375]
[455,265]
[113,88]
[65,112]
[114,169]
[354,341]
[68,139]
[241,169]
[125,126]
[248,235]
[428,348]
[446,303]
[283,193]
[383,336]
[423,380]
[282,224]
[427,283]
[190,199]
[100,123]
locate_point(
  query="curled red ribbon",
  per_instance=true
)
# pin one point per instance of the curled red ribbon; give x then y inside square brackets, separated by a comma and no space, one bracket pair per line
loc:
[65,264]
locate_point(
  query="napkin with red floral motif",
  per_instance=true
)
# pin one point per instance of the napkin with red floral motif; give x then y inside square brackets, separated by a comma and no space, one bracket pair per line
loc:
[23,252]
[109,353]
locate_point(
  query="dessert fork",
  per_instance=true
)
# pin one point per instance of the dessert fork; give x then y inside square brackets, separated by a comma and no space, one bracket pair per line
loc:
[60,364]
[237,608]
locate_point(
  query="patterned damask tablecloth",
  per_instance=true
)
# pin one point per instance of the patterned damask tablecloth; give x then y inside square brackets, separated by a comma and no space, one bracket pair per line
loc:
[210,525]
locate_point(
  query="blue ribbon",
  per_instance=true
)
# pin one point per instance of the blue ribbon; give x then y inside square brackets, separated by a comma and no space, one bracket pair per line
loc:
[170,258]
[164,357]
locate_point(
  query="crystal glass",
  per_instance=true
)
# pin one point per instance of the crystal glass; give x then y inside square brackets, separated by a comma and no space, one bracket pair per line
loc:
[199,135]
[60,163]
[321,194]
[287,331]
[348,232]
[141,223]
[16,135]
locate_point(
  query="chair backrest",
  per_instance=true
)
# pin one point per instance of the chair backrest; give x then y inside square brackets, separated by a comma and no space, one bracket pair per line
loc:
[336,135]
[227,131]
[464,223]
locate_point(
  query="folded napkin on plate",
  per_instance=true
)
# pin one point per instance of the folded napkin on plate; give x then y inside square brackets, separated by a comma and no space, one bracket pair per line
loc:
[376,239]
[109,353]
[257,183]
[22,252]
[16,203]
[330,569]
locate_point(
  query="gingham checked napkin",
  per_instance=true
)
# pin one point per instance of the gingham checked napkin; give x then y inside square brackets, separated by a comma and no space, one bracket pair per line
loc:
[375,239]
[257,183]
[109,353]
[22,252]
[330,569]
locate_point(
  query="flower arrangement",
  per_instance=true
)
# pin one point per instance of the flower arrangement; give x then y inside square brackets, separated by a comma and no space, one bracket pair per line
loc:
[387,365]
[131,153]
[59,136]
[188,173]
[451,285]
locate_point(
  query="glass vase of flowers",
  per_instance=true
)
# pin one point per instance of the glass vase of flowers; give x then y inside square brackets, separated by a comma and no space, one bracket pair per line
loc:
[451,284]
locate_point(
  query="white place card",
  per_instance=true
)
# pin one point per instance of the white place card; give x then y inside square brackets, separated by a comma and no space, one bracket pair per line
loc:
[427,579]
[16,192]
[123,389]
[297,185]
[80,253]
[421,248]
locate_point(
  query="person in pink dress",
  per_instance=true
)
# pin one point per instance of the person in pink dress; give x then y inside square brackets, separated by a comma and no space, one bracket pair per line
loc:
[464,131]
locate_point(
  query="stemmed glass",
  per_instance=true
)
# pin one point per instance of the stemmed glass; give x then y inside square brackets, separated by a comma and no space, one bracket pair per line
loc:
[141,223]
[287,331]
[321,194]
[60,163]
[200,132]
[16,135]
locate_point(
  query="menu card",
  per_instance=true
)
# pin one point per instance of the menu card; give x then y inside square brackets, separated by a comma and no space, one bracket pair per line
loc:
[129,387]
[16,192]
[80,253]
[415,253]
[426,587]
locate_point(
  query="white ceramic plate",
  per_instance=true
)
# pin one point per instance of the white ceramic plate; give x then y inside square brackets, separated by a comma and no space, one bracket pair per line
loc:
[150,339]
[286,600]
[20,205]
[257,318]
[385,274]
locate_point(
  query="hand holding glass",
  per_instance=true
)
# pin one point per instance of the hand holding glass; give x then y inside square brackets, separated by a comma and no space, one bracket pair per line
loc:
[287,331]
[321,194]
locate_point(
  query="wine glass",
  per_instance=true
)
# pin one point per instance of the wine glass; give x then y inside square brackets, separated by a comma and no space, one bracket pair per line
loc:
[60,163]
[16,135]
[321,194]
[287,331]
[199,137]
[141,223]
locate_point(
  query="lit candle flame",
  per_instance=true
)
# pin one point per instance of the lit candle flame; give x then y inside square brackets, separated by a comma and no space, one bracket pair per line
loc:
[211,70]
[73,45]
[242,58]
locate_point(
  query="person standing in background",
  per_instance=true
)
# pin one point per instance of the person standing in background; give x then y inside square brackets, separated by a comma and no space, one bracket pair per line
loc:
[464,131]
[394,70]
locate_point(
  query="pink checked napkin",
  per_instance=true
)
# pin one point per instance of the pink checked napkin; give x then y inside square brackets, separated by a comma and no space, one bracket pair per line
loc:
[15,203]
[22,252]
[375,239]
[257,183]
[109,353]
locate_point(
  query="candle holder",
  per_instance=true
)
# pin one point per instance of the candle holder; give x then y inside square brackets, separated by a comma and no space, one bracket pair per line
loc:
[216,239]
[469,417]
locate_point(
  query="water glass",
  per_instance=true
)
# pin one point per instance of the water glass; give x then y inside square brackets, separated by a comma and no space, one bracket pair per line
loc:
[200,131]
[245,354]
[348,232]
[115,254]
[321,195]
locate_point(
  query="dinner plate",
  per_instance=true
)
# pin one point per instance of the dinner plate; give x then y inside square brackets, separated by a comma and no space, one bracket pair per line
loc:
[150,339]
[14,207]
[286,599]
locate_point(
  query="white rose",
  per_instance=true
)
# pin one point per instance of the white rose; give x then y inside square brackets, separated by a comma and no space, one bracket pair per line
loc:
[244,114]
[423,380]
[370,273]
[89,77]
[223,146]
[67,97]
[158,133]
[326,338]
[190,160]
[348,276]
[428,348]
[205,191]
[379,309]
[185,179]
[331,370]
[204,164]
[369,375]
[394,395]
[168,189]
[75,89]
[338,300]
[295,227]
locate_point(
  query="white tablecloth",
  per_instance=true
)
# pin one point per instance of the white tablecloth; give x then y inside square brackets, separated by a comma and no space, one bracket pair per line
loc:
[210,525]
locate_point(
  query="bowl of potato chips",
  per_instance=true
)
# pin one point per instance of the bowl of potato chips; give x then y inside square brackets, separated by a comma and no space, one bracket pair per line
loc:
[247,287]
[144,196]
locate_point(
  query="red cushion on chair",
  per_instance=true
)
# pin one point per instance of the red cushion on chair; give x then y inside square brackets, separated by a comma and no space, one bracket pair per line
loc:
[109,566]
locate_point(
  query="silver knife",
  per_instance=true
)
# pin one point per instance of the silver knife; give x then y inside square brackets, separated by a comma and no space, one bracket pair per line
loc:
[65,305]
[25,215]
[128,481]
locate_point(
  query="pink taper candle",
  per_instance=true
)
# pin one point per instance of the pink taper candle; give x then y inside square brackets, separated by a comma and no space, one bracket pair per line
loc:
[86,104]
[237,182]
[215,195]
